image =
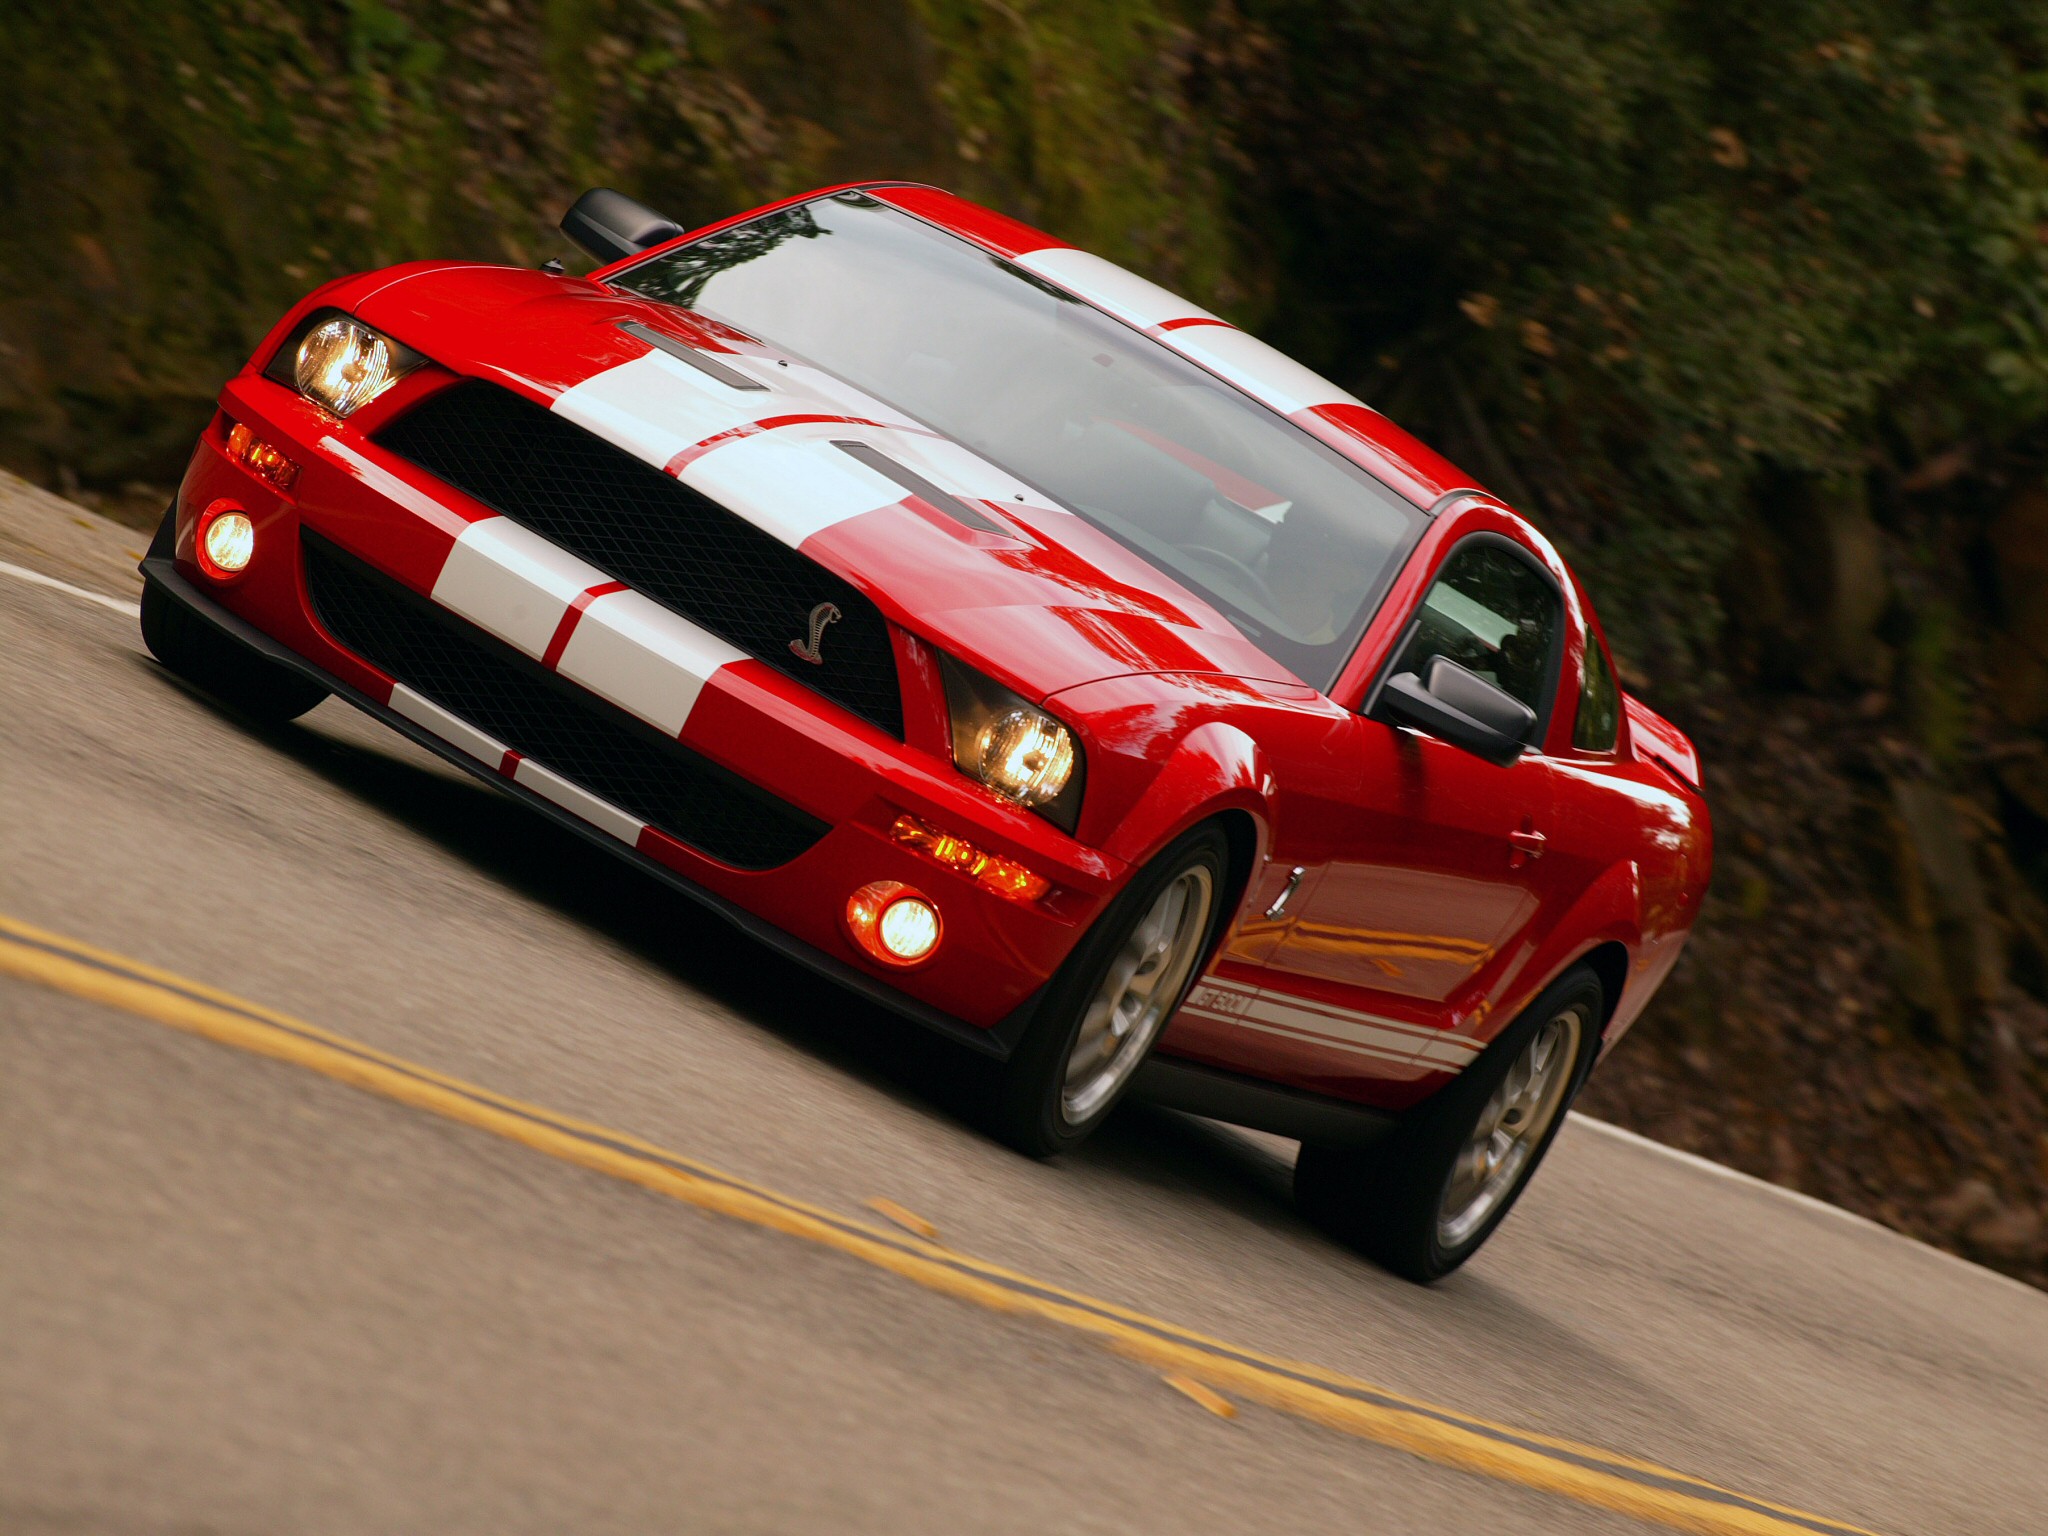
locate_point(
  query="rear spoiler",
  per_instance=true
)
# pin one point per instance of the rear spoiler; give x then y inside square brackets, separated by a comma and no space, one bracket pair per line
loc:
[1657,740]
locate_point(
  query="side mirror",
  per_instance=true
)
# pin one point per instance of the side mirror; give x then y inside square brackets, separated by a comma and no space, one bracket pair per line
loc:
[1458,706]
[611,226]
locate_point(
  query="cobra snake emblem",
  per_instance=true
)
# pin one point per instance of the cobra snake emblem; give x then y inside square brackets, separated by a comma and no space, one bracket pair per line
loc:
[822,615]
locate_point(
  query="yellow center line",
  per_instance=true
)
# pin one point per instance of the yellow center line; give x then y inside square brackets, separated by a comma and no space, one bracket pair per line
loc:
[1575,1471]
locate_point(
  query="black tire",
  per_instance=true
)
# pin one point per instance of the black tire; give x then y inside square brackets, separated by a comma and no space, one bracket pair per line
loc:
[207,658]
[1030,1107]
[1391,1200]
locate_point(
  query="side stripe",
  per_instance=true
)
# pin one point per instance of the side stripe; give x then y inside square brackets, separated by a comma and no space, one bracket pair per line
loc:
[1338,1029]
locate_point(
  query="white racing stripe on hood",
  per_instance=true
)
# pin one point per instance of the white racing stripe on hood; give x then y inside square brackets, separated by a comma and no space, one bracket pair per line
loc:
[512,582]
[650,662]
[792,486]
[656,406]
[788,480]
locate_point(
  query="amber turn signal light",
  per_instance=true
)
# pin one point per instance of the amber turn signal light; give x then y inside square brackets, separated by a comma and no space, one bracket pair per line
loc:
[1006,877]
[893,922]
[260,459]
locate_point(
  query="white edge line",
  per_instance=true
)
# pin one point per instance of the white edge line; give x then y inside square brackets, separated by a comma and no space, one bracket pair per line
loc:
[23,573]
[1797,1197]
[1690,1159]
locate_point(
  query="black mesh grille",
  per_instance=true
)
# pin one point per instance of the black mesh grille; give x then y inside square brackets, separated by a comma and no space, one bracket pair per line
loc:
[657,535]
[558,725]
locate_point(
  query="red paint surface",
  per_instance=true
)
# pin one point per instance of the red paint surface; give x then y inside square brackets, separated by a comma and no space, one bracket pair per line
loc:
[1417,905]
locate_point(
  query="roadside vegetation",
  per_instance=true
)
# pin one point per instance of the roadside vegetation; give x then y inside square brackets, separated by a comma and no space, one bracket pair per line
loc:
[1746,303]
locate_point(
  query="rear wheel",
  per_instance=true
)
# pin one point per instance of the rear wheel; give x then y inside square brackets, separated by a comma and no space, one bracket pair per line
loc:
[207,658]
[1106,1005]
[1426,1199]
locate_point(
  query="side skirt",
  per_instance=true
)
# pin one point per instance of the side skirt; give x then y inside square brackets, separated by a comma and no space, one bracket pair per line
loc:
[1218,1095]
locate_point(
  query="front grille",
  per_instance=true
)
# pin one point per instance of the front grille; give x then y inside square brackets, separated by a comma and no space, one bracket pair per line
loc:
[587,741]
[657,535]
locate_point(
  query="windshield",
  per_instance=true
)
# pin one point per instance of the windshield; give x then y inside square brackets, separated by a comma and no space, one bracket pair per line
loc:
[1291,541]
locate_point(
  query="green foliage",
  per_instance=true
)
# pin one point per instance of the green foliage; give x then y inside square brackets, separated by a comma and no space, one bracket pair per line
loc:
[1622,258]
[1078,115]
[1625,253]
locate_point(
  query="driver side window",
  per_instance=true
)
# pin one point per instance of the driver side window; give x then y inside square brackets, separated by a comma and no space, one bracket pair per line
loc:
[1494,614]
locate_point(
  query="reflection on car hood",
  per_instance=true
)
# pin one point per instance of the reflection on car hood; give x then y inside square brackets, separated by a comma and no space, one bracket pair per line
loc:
[1043,603]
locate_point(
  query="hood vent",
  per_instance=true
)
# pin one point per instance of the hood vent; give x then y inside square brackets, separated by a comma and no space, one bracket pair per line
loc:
[921,488]
[683,352]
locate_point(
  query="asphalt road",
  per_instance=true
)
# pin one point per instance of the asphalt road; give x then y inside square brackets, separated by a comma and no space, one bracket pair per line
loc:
[238,1294]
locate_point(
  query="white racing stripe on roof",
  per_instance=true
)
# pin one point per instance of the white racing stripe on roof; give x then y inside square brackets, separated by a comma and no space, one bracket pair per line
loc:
[1262,371]
[458,733]
[512,582]
[1131,298]
[655,406]
[650,662]
[578,802]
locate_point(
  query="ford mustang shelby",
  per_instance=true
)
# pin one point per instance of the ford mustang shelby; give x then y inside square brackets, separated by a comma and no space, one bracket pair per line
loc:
[998,633]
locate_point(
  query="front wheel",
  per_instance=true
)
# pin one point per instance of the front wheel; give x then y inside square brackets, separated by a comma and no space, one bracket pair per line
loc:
[1108,1002]
[1424,1200]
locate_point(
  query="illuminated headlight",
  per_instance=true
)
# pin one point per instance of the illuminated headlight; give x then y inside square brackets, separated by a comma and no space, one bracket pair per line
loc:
[1026,754]
[1012,746]
[340,364]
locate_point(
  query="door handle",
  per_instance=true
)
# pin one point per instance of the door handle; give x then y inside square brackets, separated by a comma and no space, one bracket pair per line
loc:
[1528,841]
[1287,892]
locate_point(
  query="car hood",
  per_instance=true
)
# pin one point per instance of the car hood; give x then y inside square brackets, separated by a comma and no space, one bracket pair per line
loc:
[989,568]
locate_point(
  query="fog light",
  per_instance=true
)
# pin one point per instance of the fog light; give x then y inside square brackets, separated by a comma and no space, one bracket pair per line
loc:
[227,540]
[892,922]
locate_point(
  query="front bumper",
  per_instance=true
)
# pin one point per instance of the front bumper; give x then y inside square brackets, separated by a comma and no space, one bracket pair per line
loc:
[754,723]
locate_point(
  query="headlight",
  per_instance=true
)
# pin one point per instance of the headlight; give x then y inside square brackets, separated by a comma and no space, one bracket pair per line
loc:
[1026,754]
[339,363]
[1012,746]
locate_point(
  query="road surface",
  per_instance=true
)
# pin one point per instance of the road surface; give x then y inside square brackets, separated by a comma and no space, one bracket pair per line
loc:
[566,1221]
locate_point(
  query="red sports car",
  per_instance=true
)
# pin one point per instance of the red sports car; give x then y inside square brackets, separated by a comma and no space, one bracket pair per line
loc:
[995,632]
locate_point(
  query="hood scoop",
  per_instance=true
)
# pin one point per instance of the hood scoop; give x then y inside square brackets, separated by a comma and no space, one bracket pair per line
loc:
[911,481]
[683,352]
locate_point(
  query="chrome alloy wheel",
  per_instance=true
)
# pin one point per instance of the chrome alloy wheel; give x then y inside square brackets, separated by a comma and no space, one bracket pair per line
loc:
[1510,1128]
[1142,983]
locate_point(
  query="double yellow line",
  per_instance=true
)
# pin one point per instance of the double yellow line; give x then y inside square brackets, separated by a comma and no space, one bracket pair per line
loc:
[1580,1472]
